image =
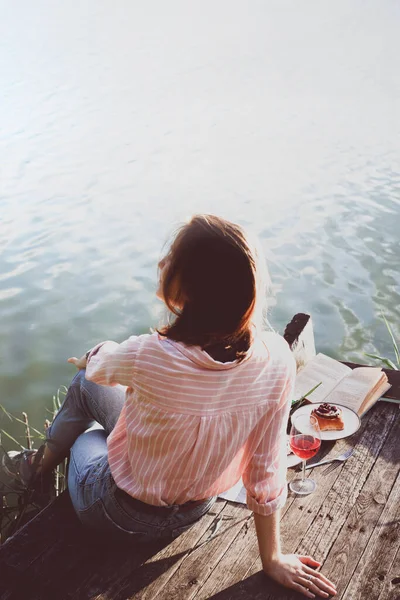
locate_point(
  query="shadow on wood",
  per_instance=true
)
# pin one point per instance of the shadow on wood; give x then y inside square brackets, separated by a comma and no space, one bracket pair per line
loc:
[256,587]
[53,556]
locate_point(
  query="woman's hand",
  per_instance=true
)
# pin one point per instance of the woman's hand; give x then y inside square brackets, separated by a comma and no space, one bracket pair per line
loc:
[294,571]
[80,363]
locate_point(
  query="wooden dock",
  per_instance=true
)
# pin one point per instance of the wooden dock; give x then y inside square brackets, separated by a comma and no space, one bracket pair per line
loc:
[351,523]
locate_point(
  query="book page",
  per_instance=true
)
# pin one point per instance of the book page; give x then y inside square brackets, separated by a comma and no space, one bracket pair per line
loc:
[320,368]
[369,402]
[361,383]
[380,388]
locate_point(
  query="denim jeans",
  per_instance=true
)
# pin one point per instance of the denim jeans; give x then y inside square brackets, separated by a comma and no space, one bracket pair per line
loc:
[87,416]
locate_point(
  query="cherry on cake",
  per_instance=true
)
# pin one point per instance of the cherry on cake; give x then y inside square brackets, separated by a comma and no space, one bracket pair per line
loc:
[329,417]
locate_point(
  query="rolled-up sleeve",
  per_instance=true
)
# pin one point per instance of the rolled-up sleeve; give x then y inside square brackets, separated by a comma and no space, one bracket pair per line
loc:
[265,474]
[110,363]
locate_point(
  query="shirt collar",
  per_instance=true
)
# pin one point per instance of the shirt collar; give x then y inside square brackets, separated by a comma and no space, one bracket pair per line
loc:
[202,358]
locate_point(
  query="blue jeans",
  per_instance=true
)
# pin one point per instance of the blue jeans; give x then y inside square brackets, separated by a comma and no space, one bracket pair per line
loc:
[87,416]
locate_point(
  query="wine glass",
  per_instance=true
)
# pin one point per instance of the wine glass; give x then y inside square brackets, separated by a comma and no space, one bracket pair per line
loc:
[305,441]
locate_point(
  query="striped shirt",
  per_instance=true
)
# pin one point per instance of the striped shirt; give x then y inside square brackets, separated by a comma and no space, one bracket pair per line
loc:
[192,426]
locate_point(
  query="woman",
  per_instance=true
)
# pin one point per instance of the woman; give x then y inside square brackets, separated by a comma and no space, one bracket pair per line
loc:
[181,414]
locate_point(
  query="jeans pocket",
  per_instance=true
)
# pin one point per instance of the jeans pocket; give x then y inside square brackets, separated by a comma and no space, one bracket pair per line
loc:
[192,517]
[97,518]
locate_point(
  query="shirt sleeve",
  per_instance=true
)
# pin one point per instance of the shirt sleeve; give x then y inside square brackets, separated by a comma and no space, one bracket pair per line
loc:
[110,363]
[265,475]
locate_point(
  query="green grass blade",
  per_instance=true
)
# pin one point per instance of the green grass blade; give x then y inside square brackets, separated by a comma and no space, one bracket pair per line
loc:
[62,390]
[40,434]
[385,361]
[395,346]
[307,394]
[6,412]
[12,439]
[14,418]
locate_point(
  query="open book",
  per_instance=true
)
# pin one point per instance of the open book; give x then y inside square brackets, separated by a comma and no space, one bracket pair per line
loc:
[357,388]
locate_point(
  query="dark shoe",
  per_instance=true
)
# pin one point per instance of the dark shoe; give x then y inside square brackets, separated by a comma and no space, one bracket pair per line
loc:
[19,469]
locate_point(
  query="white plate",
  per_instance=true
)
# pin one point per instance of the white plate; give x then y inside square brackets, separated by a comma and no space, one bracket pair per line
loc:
[350,418]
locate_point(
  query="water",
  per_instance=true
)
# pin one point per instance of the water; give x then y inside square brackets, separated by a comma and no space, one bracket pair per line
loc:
[120,119]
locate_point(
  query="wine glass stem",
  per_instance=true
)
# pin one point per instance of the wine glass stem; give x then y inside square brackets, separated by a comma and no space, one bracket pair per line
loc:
[303,471]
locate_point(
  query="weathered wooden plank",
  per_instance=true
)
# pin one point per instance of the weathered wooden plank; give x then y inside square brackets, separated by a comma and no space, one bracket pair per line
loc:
[55,542]
[19,552]
[391,585]
[182,548]
[299,335]
[348,485]
[348,547]
[313,511]
[123,572]
[149,577]
[253,588]
[369,577]
[200,563]
[80,566]
[144,580]
[234,564]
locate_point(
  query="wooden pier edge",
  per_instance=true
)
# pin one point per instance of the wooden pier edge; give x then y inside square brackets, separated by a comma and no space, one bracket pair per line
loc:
[299,334]
[52,556]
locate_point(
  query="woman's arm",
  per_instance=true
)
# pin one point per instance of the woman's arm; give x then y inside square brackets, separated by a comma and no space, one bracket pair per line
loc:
[110,363]
[268,536]
[291,570]
[265,481]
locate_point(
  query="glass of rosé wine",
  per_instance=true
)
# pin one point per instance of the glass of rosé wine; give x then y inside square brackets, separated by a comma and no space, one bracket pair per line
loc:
[305,441]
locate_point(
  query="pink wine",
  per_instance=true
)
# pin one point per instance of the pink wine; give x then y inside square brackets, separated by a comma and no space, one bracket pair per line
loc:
[305,446]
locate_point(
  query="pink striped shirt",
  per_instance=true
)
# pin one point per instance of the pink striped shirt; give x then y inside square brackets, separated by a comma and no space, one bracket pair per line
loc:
[192,426]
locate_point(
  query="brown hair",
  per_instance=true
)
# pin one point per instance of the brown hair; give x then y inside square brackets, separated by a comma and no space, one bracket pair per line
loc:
[210,284]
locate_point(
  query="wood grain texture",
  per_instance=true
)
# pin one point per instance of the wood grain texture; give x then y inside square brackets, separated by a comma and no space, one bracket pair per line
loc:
[349,545]
[345,490]
[240,556]
[380,552]
[199,565]
[182,547]
[234,564]
[391,585]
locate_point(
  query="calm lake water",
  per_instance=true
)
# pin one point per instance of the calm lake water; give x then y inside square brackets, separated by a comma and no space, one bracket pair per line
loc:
[120,119]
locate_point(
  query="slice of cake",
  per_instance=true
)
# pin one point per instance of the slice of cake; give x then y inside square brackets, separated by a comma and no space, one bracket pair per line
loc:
[329,417]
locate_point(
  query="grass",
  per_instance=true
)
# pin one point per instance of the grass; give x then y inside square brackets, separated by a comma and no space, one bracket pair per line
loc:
[18,506]
[389,364]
